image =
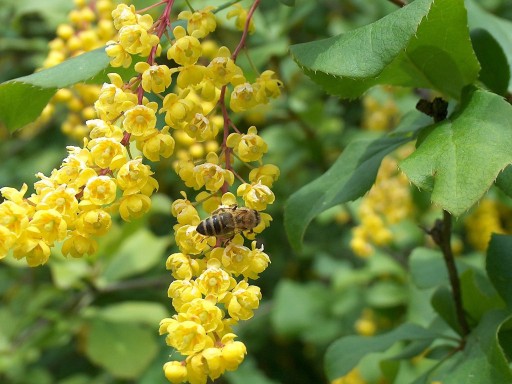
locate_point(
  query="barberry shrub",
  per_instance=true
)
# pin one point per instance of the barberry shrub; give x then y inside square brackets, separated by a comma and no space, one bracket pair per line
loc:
[171,106]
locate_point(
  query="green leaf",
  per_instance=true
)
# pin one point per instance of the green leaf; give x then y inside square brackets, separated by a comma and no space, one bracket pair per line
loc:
[385,294]
[460,157]
[425,44]
[495,72]
[142,312]
[351,176]
[442,302]
[499,265]
[123,349]
[500,29]
[344,354]
[478,295]
[140,252]
[504,181]
[23,99]
[289,3]
[482,360]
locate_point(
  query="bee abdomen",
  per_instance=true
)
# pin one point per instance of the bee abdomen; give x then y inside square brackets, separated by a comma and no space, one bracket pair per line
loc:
[215,225]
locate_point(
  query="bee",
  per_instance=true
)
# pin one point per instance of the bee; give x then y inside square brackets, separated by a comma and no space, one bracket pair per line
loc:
[226,222]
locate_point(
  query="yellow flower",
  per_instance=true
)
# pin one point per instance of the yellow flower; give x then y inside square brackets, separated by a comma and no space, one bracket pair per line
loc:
[100,190]
[200,23]
[248,147]
[120,57]
[267,86]
[243,300]
[185,212]
[183,291]
[189,241]
[155,78]
[256,196]
[203,312]
[107,153]
[182,266]
[201,128]
[186,49]
[178,109]
[188,337]
[99,128]
[243,97]
[31,245]
[223,70]
[134,206]
[124,15]
[78,245]
[266,174]
[132,176]
[160,144]
[7,239]
[175,371]
[241,18]
[13,217]
[94,222]
[51,225]
[136,40]
[140,120]
[233,352]
[214,280]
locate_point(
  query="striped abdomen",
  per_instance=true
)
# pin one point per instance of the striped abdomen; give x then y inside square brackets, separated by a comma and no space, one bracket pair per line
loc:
[218,225]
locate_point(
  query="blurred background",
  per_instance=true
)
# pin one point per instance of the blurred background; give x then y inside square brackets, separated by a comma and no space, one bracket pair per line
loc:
[96,319]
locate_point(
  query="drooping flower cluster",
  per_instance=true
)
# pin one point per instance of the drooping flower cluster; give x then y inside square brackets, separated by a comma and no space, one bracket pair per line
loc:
[75,204]
[387,203]
[90,26]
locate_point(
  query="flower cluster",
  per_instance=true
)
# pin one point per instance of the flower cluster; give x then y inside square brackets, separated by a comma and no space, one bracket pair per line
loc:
[379,116]
[387,203]
[90,27]
[194,90]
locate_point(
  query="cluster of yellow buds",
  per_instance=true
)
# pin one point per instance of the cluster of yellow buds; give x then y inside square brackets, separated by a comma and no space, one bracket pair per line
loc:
[489,216]
[90,27]
[379,116]
[75,204]
[388,202]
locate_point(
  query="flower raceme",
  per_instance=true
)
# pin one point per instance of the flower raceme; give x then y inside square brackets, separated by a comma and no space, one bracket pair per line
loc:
[79,200]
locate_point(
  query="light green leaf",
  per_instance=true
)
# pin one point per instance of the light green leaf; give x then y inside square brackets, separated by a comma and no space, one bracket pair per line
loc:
[141,312]
[140,252]
[344,354]
[425,44]
[459,158]
[123,349]
[351,176]
[385,294]
[482,360]
[499,265]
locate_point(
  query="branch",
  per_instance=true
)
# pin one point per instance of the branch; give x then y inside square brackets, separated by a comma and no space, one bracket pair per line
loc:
[400,3]
[441,234]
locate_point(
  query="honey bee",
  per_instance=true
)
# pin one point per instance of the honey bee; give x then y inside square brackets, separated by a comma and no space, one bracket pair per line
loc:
[226,222]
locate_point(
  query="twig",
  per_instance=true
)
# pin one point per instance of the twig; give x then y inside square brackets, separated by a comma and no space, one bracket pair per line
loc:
[400,3]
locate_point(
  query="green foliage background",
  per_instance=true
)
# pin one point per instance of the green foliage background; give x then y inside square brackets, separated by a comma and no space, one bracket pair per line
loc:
[95,320]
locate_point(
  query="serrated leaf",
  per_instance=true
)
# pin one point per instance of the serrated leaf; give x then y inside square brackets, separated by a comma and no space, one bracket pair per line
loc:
[22,99]
[349,178]
[499,28]
[460,157]
[123,349]
[499,265]
[425,44]
[495,72]
[344,354]
[504,180]
[482,360]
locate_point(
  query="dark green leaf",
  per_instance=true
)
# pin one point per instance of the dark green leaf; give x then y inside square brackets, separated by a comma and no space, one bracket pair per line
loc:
[499,265]
[504,181]
[495,72]
[500,29]
[443,304]
[478,295]
[123,349]
[461,157]
[289,3]
[344,354]
[425,44]
[349,178]
[482,360]
[23,99]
